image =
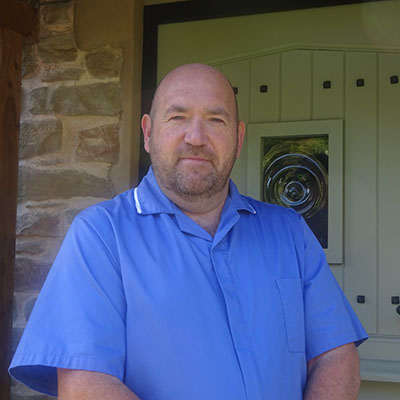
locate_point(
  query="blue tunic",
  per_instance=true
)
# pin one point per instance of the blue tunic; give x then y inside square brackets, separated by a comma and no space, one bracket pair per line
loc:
[140,291]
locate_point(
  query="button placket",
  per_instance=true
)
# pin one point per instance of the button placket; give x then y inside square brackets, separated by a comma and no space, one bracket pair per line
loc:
[241,337]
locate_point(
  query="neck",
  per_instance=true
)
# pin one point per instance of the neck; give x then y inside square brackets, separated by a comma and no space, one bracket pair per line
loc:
[205,211]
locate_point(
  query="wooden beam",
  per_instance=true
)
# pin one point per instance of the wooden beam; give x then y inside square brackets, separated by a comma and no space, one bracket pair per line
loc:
[10,93]
[20,16]
[153,2]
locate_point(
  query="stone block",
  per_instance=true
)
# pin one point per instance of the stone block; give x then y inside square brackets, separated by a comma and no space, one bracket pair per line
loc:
[29,274]
[57,14]
[36,184]
[57,47]
[104,62]
[40,224]
[14,310]
[40,100]
[94,99]
[28,307]
[21,392]
[99,144]
[16,337]
[61,73]
[40,137]
[29,62]
[30,247]
[71,214]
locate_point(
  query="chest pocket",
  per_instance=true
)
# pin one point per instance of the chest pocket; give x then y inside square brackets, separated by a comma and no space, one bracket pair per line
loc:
[291,293]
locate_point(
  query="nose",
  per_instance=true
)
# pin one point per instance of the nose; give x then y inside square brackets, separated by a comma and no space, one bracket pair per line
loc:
[195,133]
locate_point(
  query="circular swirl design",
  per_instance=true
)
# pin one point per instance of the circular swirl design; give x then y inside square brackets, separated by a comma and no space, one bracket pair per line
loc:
[295,180]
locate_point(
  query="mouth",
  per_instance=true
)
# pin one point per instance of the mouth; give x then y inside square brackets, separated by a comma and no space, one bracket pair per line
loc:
[194,159]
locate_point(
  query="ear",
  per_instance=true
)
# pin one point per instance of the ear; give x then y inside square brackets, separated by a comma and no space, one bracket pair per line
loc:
[146,128]
[240,137]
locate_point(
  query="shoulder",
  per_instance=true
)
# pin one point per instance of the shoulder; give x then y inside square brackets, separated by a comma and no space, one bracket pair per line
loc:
[272,211]
[281,224]
[115,209]
[106,218]
[97,229]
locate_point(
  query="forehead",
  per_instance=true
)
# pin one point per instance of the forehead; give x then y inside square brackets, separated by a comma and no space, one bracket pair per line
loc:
[196,89]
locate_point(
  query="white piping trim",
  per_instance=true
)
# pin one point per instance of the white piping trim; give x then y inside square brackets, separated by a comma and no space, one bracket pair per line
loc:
[252,209]
[138,208]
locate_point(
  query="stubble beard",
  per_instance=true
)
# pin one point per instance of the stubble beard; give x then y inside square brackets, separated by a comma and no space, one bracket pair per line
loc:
[190,182]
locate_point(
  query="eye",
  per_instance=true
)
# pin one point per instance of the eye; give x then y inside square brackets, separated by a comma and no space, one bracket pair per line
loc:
[176,118]
[217,120]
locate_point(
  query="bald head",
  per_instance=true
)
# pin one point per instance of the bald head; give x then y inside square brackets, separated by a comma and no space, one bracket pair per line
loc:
[193,135]
[191,75]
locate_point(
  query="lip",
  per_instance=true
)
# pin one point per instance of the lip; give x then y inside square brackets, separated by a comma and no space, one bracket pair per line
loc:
[194,159]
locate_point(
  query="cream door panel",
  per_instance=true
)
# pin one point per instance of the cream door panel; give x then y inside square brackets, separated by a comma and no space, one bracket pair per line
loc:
[265,88]
[328,84]
[328,100]
[389,194]
[294,68]
[238,74]
[360,185]
[296,85]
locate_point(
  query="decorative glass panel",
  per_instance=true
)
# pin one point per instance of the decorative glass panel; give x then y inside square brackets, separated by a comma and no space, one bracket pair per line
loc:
[295,174]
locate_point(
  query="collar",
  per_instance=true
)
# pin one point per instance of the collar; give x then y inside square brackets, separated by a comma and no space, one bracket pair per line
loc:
[150,199]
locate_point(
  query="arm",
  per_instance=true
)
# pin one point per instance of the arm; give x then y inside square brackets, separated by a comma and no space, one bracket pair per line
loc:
[334,375]
[89,385]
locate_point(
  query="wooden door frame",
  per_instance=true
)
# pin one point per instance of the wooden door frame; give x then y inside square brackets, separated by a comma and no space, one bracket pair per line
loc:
[155,15]
[18,19]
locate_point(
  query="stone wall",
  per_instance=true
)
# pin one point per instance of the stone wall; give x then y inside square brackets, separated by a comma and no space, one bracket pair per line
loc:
[69,140]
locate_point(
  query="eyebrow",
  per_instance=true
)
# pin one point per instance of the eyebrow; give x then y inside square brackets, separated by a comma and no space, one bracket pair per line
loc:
[218,111]
[210,111]
[176,108]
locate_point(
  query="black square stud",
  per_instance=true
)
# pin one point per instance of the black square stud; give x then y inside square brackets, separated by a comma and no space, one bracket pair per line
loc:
[327,85]
[360,299]
[394,79]
[360,82]
[395,299]
[263,88]
[235,90]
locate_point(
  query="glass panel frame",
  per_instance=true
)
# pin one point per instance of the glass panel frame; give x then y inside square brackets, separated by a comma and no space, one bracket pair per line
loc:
[333,129]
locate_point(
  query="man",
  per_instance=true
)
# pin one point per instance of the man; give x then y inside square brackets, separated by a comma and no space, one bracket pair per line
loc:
[182,289]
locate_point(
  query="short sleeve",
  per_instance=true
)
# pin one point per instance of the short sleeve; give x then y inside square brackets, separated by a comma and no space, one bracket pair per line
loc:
[78,321]
[329,319]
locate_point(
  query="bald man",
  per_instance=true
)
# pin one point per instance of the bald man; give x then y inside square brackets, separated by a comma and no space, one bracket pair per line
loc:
[183,289]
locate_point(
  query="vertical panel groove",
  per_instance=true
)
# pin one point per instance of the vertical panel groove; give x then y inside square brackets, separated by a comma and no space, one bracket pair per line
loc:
[377,186]
[280,86]
[312,84]
[344,158]
[360,185]
[344,97]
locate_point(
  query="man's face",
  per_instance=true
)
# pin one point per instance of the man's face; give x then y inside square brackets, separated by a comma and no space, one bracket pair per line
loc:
[193,136]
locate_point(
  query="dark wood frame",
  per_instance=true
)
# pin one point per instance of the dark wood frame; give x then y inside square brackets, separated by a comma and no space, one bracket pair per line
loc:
[17,19]
[156,15]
